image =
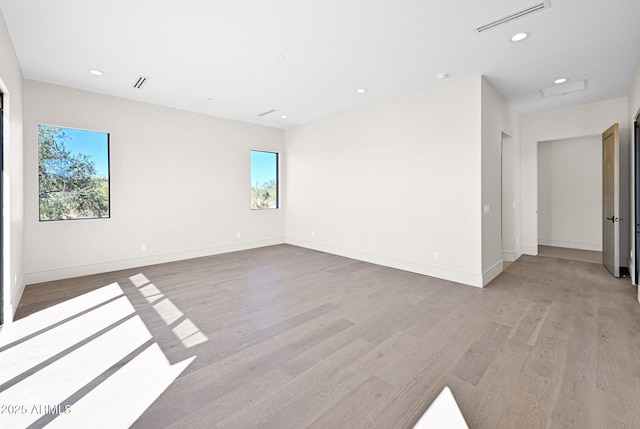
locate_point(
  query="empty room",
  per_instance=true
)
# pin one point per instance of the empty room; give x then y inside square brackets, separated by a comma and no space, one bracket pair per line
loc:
[320,214]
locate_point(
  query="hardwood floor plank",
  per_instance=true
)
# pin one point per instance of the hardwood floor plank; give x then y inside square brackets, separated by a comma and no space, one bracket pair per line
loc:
[434,307]
[234,402]
[530,404]
[304,398]
[387,353]
[574,403]
[355,406]
[475,361]
[528,327]
[496,389]
[404,407]
[425,360]
[614,365]
[510,311]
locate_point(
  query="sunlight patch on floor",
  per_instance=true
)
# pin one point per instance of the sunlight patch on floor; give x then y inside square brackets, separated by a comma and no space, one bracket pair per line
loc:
[87,362]
[126,394]
[186,331]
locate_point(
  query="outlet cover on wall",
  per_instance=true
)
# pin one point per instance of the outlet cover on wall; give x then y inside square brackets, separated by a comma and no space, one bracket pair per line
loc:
[237,235]
[436,255]
[486,209]
[313,235]
[143,247]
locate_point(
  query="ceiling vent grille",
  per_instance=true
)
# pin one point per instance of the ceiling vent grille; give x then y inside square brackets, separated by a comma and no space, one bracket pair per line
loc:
[140,82]
[268,112]
[516,15]
[564,88]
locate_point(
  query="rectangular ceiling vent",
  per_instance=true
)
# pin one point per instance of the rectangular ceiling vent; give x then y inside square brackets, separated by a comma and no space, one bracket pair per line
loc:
[268,112]
[564,88]
[140,82]
[516,15]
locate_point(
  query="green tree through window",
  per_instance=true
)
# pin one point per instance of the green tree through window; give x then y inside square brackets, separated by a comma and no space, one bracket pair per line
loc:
[73,169]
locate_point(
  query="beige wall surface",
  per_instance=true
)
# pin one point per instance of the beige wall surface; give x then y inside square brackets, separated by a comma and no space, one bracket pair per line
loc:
[397,183]
[180,183]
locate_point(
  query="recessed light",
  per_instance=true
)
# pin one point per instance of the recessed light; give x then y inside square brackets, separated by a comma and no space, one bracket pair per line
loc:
[284,116]
[361,90]
[561,80]
[441,76]
[519,37]
[96,72]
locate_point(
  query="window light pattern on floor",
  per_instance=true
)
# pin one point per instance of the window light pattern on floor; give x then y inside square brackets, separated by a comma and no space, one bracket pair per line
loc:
[89,361]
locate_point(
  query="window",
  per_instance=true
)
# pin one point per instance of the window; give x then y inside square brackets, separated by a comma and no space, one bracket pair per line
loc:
[264,180]
[73,169]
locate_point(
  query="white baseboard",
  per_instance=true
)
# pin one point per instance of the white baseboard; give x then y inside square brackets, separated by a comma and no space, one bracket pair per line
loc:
[511,256]
[596,247]
[530,250]
[469,279]
[9,311]
[492,273]
[85,270]
[632,271]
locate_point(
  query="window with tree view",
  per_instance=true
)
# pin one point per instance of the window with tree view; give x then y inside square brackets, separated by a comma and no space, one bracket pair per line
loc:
[73,169]
[264,180]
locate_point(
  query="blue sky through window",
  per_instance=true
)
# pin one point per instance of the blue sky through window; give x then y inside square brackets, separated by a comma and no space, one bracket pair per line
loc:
[92,144]
[263,167]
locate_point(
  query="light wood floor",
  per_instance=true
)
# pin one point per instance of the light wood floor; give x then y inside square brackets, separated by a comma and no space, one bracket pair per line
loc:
[297,338]
[571,254]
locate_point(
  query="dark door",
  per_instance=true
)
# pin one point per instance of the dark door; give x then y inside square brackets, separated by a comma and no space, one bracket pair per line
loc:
[636,139]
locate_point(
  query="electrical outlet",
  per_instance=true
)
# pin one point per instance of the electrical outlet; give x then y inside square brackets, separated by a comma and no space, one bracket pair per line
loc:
[313,235]
[436,255]
[238,235]
[486,209]
[143,247]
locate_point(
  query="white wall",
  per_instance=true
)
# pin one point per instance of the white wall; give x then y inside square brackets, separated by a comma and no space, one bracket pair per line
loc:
[511,198]
[561,124]
[180,182]
[13,246]
[570,193]
[393,183]
[498,119]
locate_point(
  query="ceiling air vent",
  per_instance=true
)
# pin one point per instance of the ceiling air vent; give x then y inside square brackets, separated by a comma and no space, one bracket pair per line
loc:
[140,82]
[268,112]
[564,88]
[520,14]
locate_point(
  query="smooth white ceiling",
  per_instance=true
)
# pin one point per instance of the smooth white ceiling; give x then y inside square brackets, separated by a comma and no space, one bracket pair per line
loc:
[306,58]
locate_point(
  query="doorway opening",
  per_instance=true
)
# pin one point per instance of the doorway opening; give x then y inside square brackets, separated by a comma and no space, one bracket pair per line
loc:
[570,197]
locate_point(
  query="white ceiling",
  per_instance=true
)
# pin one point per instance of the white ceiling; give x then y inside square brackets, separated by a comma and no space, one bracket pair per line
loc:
[306,58]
